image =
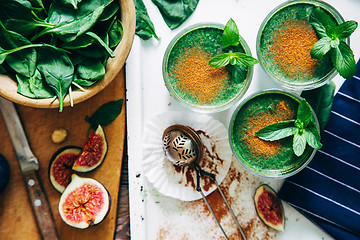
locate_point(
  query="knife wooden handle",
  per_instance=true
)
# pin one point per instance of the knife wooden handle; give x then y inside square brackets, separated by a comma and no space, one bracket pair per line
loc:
[40,206]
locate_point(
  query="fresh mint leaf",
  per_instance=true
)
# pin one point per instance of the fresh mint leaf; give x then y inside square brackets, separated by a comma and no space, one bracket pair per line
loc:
[245,60]
[321,101]
[320,48]
[277,131]
[299,142]
[343,60]
[304,114]
[312,137]
[303,128]
[346,29]
[231,35]
[105,114]
[220,60]
[234,58]
[238,73]
[341,54]
[319,20]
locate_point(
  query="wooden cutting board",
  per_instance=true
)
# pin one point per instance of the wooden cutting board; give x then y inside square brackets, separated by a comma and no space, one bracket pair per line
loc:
[17,220]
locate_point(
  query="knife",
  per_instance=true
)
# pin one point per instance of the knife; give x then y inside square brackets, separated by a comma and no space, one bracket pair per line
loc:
[29,166]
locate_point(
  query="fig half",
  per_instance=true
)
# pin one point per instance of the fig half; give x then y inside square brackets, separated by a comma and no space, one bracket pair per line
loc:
[60,167]
[93,152]
[84,203]
[269,208]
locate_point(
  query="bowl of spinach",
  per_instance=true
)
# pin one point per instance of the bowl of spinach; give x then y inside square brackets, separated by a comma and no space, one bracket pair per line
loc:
[55,53]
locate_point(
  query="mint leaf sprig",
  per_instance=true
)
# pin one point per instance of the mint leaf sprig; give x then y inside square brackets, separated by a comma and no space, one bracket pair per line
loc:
[331,42]
[239,61]
[303,129]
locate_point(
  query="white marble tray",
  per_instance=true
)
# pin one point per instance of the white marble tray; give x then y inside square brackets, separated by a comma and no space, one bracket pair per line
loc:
[155,216]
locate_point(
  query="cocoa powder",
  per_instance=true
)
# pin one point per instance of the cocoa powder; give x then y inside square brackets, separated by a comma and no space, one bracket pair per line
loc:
[210,163]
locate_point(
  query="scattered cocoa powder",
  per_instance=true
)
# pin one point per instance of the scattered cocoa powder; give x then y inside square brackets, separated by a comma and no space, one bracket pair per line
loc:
[210,162]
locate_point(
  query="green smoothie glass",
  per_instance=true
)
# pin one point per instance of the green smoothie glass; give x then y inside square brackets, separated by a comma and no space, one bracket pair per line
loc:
[284,42]
[273,159]
[191,80]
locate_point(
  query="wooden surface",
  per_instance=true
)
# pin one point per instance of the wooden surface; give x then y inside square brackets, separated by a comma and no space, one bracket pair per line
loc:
[17,220]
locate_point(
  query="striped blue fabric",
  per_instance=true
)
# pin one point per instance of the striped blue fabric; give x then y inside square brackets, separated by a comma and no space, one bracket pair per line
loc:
[327,191]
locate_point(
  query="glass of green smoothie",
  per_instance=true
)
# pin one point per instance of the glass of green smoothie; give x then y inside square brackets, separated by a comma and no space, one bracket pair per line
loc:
[284,41]
[273,159]
[191,80]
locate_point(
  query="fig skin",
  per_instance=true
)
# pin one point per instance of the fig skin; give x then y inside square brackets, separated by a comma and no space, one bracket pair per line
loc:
[269,207]
[94,152]
[4,173]
[64,170]
[86,197]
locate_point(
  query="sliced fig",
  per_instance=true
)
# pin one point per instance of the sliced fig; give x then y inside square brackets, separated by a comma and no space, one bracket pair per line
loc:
[60,167]
[93,152]
[84,203]
[269,208]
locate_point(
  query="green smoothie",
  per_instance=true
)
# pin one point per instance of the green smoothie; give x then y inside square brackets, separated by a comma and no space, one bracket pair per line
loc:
[267,158]
[284,43]
[191,79]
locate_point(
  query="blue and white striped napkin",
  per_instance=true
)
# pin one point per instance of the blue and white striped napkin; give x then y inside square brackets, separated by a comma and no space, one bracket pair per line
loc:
[327,191]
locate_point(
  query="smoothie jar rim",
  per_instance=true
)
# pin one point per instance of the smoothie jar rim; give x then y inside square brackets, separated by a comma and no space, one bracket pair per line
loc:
[198,107]
[307,86]
[264,173]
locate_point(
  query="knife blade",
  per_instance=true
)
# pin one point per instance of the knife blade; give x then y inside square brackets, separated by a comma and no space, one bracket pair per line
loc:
[29,165]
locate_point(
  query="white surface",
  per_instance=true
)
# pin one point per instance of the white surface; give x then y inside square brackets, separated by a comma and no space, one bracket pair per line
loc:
[147,96]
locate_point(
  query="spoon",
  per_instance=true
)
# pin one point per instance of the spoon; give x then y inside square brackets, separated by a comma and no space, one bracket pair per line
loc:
[183,146]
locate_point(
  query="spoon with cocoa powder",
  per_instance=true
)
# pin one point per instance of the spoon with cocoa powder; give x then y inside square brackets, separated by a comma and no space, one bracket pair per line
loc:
[183,146]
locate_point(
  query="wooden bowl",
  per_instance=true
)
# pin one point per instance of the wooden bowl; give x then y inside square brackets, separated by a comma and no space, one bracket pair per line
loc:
[8,86]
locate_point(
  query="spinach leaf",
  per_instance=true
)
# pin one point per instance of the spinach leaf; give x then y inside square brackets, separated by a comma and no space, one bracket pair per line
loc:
[23,62]
[321,101]
[14,10]
[105,114]
[83,82]
[69,30]
[115,33]
[33,87]
[58,71]
[25,27]
[144,26]
[109,11]
[102,43]
[2,69]
[175,13]
[80,42]
[74,3]
[91,69]
[4,53]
